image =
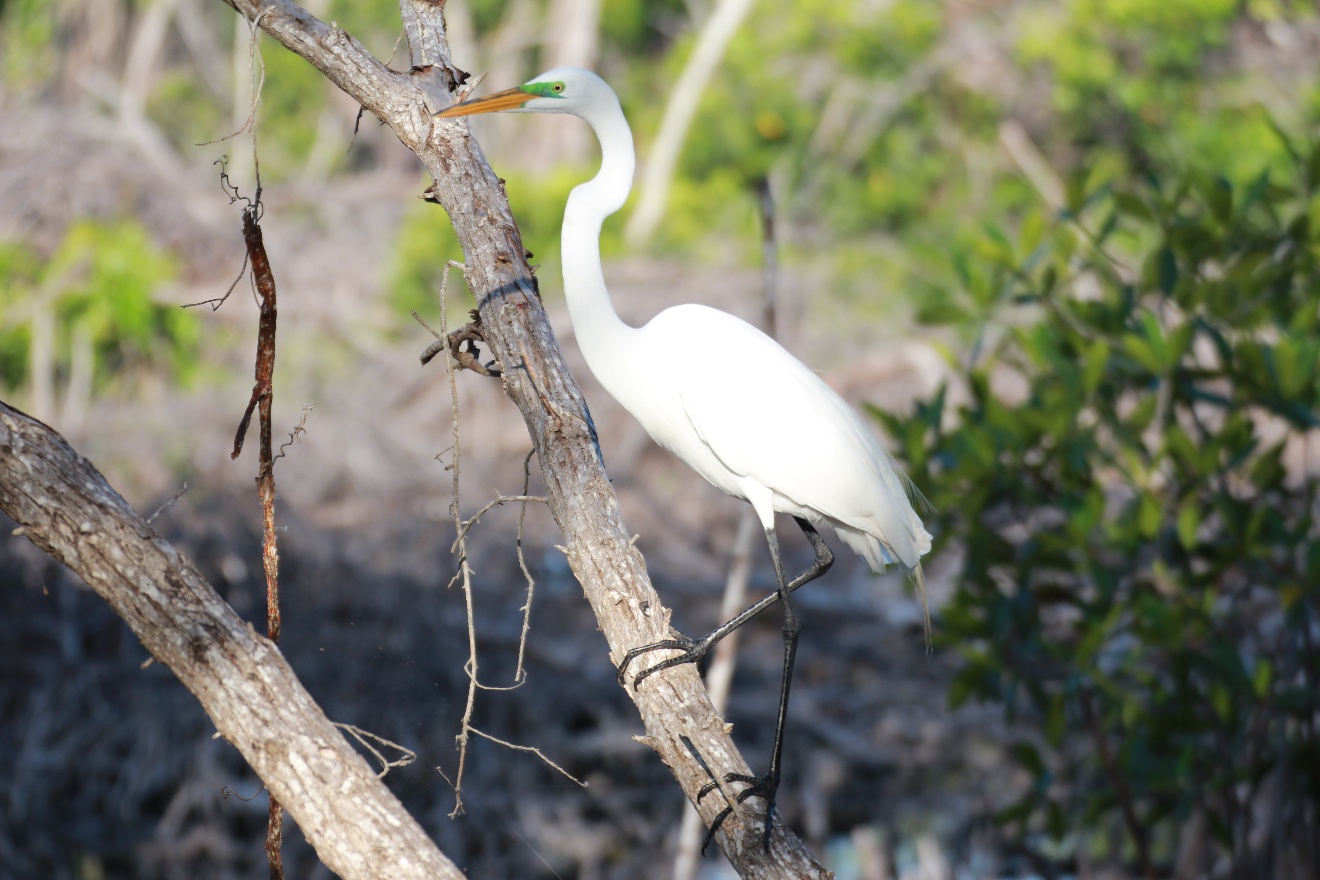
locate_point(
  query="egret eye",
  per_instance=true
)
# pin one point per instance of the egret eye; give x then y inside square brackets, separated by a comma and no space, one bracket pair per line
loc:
[558,87]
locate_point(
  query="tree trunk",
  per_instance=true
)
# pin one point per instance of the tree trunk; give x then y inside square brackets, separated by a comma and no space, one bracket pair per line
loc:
[207,646]
[680,110]
[64,506]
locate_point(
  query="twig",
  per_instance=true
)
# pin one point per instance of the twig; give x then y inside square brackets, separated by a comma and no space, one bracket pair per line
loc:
[461,344]
[262,399]
[499,500]
[534,751]
[216,302]
[270,559]
[464,573]
[365,737]
[159,510]
[518,673]
[226,793]
[300,428]
[1122,790]
[255,63]
[262,390]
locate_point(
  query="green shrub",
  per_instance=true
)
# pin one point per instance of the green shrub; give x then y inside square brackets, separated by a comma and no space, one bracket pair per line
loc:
[98,290]
[1129,472]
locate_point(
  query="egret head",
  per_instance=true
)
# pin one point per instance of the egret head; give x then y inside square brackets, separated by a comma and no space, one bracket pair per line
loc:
[562,90]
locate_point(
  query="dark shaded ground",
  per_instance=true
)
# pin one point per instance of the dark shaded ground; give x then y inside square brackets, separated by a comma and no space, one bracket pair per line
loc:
[108,769]
[111,769]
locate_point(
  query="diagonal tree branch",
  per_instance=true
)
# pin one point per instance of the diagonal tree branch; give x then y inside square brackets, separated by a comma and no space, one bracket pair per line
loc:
[64,506]
[239,677]
[681,725]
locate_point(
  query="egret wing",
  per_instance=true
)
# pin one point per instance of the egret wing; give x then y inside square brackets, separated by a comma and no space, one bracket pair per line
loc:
[765,416]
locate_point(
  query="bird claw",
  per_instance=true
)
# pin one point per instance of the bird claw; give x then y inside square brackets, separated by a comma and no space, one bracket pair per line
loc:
[764,787]
[694,651]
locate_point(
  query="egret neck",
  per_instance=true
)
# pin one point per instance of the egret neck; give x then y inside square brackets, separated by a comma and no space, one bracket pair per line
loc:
[602,337]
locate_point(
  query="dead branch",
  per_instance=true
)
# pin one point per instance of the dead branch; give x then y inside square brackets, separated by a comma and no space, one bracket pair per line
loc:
[365,739]
[464,573]
[65,507]
[672,705]
[256,702]
[263,397]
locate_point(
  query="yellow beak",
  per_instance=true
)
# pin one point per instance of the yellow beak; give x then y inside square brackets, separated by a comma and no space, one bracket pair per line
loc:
[508,99]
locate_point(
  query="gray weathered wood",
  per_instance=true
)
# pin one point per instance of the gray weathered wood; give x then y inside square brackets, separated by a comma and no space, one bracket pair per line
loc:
[673,705]
[681,726]
[64,506]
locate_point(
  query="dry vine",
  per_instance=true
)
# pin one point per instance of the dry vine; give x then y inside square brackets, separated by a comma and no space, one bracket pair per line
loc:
[365,738]
[679,721]
[446,342]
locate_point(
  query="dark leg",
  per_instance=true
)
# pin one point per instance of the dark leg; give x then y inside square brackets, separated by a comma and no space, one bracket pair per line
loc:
[765,787]
[695,650]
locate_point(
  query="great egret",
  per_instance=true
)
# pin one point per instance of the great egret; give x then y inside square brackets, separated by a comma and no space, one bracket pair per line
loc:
[755,422]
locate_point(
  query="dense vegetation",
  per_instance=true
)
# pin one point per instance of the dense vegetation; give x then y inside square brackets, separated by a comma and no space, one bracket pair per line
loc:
[1130,478]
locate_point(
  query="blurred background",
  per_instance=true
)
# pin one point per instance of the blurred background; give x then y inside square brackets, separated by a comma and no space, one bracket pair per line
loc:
[1063,252]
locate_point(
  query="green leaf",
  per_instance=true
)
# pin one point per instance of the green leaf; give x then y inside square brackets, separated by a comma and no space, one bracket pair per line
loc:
[1028,756]
[1033,229]
[1179,447]
[1141,415]
[1016,812]
[1219,194]
[1143,352]
[1149,515]
[1055,721]
[1075,193]
[1168,270]
[963,270]
[1179,342]
[943,312]
[1189,521]
[1262,677]
[1001,246]
[1094,364]
[1154,333]
[1132,206]
[1107,227]
[1283,137]
[1268,471]
[1055,823]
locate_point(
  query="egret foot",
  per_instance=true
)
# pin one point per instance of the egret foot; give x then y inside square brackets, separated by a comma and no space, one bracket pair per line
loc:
[764,787]
[694,651]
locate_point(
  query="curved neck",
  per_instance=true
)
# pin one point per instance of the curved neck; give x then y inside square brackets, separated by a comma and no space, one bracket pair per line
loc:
[599,331]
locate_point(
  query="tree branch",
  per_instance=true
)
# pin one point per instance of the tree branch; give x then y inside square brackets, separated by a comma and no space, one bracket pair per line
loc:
[204,641]
[65,506]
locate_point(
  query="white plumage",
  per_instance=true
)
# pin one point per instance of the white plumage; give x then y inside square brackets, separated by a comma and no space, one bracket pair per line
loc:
[723,396]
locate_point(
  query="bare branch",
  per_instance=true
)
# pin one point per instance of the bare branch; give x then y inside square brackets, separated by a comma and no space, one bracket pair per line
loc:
[159,510]
[464,574]
[66,507]
[534,751]
[519,674]
[366,738]
[673,705]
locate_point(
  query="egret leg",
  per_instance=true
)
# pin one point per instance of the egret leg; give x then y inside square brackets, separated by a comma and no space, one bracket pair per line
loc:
[766,787]
[695,650]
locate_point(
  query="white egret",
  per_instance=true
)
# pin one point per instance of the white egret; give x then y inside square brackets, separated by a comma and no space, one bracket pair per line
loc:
[755,421]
